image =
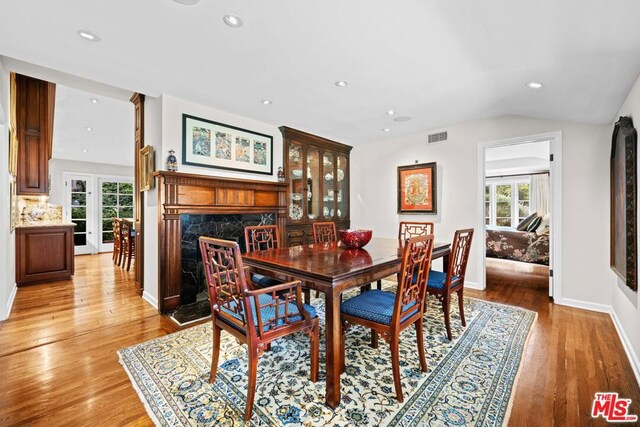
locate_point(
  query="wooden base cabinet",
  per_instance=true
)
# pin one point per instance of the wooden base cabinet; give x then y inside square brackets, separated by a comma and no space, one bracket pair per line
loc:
[317,173]
[44,253]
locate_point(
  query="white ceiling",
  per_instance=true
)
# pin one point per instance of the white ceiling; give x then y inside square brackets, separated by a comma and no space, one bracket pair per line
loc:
[515,159]
[440,62]
[110,140]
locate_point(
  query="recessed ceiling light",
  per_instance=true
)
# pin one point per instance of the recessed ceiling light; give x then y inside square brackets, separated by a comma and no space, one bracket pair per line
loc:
[84,150]
[402,119]
[187,2]
[94,100]
[88,35]
[534,85]
[266,102]
[232,20]
[391,112]
[341,83]
[386,130]
[89,128]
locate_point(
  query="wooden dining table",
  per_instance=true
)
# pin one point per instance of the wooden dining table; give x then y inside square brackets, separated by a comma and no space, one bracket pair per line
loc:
[332,268]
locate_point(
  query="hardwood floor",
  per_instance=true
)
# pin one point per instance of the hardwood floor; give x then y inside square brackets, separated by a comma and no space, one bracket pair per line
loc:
[59,364]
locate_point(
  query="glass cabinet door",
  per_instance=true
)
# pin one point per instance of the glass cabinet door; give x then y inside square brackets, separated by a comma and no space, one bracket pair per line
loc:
[328,204]
[313,187]
[296,187]
[342,187]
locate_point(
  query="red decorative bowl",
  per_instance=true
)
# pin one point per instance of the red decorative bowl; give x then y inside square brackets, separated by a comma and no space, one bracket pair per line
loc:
[355,239]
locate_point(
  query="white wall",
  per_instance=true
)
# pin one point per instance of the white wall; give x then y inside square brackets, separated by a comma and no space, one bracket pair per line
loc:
[163,130]
[153,137]
[626,303]
[585,190]
[7,239]
[58,166]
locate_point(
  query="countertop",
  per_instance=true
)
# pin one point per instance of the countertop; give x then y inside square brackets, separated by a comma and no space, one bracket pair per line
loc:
[45,223]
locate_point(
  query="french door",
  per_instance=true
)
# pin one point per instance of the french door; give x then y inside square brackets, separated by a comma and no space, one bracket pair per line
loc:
[79,209]
[116,200]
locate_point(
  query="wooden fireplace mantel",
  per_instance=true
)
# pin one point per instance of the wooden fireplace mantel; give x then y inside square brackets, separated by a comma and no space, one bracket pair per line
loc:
[182,193]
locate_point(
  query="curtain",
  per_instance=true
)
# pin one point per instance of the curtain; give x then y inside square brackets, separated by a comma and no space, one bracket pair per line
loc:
[540,194]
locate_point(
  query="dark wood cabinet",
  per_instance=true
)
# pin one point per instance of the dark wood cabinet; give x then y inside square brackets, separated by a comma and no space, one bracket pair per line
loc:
[34,104]
[44,253]
[317,173]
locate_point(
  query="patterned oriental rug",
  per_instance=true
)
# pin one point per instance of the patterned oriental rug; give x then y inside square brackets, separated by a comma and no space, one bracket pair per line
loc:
[470,379]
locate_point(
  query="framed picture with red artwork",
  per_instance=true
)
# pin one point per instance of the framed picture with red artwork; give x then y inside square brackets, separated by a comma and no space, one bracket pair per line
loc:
[417,189]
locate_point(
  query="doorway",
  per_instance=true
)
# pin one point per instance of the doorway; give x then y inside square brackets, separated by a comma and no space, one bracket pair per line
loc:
[520,210]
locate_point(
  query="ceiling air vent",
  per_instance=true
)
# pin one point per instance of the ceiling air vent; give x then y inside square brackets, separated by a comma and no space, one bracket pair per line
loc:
[437,137]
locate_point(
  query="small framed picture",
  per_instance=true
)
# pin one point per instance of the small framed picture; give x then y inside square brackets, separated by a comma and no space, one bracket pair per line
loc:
[147,168]
[417,187]
[216,145]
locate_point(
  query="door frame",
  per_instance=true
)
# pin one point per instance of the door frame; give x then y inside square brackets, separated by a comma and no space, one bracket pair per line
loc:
[91,245]
[555,217]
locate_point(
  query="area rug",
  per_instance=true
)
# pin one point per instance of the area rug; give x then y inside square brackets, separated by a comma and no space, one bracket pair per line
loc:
[469,382]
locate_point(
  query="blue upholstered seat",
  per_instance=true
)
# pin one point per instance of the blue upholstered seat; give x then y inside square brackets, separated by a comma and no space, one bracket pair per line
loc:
[269,312]
[437,278]
[374,305]
[263,281]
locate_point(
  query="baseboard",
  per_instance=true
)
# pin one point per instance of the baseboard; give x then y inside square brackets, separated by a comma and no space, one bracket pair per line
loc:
[628,348]
[150,299]
[473,285]
[601,308]
[12,297]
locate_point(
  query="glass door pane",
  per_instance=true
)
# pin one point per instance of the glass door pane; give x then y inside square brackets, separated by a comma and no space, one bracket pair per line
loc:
[503,205]
[296,185]
[313,184]
[342,187]
[79,211]
[116,200]
[328,206]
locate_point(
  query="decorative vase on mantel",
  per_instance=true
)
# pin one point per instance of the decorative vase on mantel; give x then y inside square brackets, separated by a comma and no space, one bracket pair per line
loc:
[172,161]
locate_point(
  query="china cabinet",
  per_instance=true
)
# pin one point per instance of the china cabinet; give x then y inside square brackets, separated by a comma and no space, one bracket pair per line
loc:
[317,172]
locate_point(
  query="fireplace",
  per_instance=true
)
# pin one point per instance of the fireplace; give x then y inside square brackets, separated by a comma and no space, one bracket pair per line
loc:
[227,227]
[190,206]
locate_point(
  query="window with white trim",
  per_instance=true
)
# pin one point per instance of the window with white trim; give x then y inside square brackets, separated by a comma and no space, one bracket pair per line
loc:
[507,201]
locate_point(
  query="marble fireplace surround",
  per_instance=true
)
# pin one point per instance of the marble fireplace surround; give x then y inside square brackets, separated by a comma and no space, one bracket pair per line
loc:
[181,194]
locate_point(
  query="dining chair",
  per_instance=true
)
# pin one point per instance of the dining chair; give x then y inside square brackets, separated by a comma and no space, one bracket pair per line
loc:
[128,243]
[409,229]
[253,317]
[443,284]
[388,313]
[117,241]
[324,232]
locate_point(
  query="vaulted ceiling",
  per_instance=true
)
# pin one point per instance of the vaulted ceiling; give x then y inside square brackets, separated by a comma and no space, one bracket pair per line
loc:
[438,62]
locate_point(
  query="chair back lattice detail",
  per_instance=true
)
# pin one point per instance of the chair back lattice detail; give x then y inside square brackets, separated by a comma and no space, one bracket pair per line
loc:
[408,229]
[324,232]
[261,237]
[412,287]
[460,255]
[117,234]
[229,294]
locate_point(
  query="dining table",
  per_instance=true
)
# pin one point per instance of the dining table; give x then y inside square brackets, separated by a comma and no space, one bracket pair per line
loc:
[332,268]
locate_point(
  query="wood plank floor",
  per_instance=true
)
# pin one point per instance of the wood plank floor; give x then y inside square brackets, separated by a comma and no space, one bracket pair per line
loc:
[59,365]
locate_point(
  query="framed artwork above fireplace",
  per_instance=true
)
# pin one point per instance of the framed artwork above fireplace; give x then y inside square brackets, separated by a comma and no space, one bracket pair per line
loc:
[217,145]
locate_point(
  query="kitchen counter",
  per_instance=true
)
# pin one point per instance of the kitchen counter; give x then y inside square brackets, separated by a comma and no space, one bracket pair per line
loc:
[44,223]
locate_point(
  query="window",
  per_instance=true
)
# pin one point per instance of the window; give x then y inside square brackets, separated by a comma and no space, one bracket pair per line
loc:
[117,201]
[506,201]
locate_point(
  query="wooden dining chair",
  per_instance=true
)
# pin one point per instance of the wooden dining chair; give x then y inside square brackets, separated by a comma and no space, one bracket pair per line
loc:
[408,230]
[117,240]
[128,243]
[389,313]
[324,232]
[443,284]
[253,317]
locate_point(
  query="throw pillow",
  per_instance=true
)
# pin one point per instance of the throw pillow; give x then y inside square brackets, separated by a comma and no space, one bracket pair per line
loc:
[525,222]
[534,224]
[544,225]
